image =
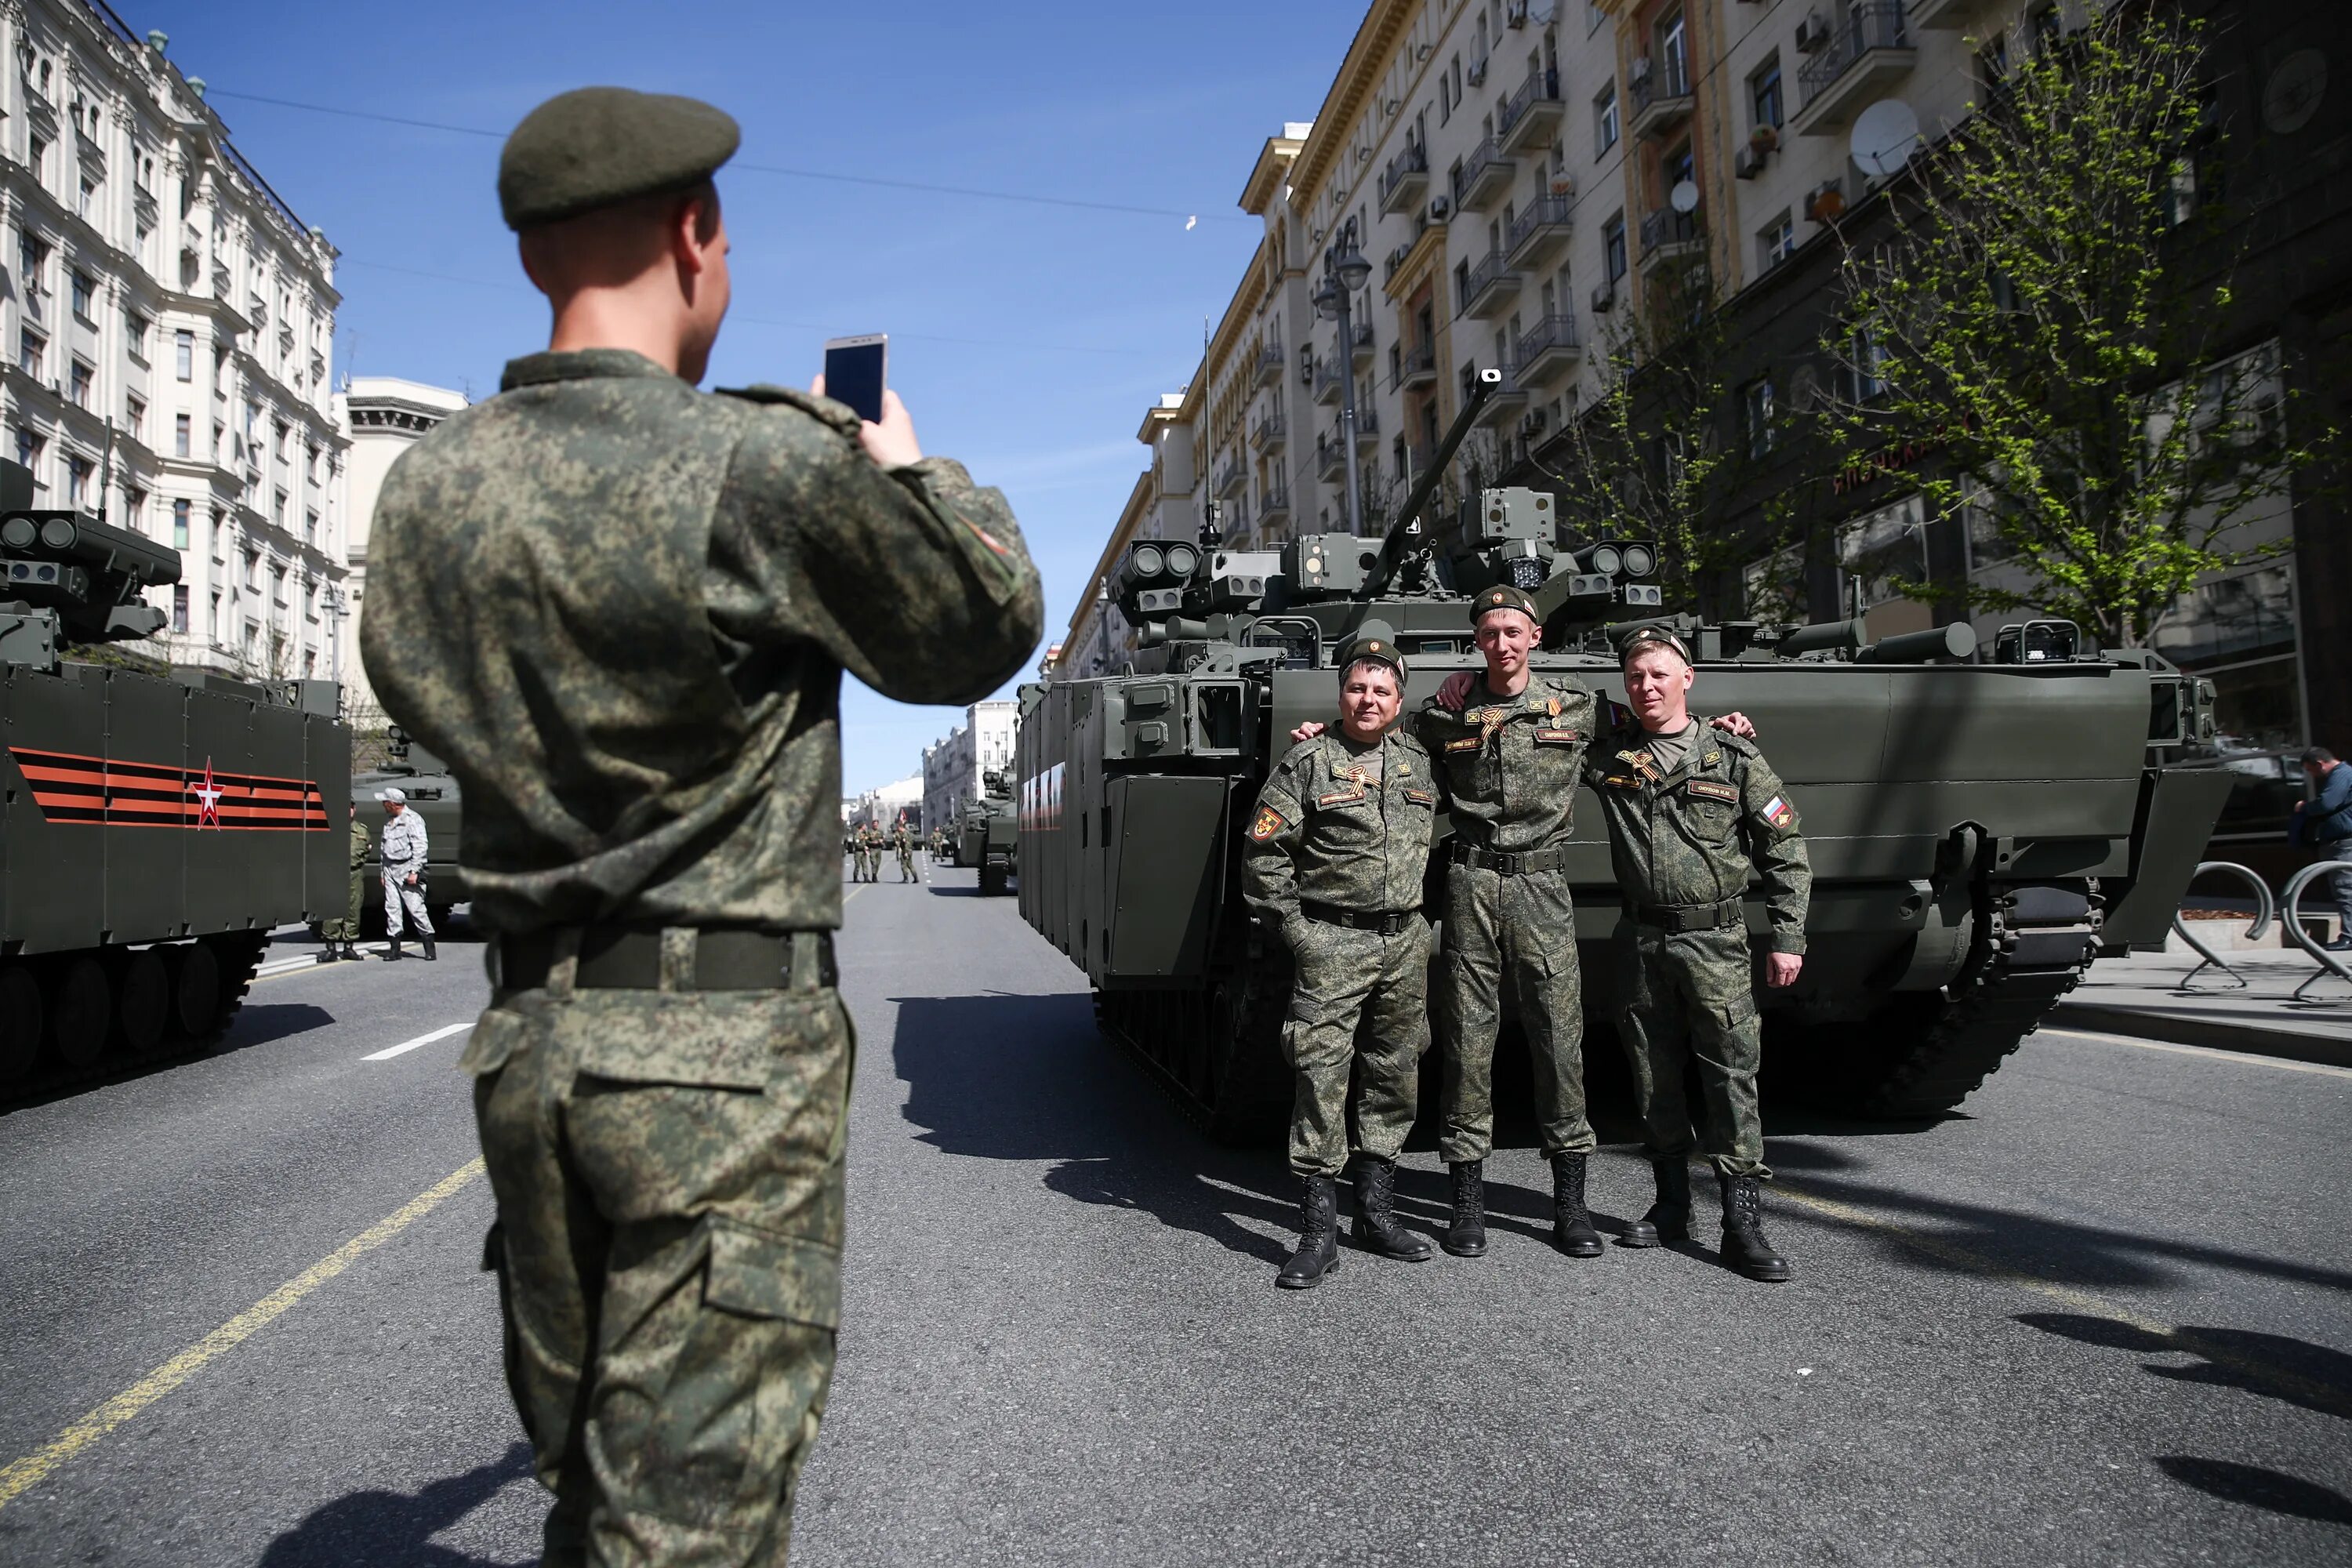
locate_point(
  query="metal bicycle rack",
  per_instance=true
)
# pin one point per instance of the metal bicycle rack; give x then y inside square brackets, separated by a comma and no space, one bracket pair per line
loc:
[2328,962]
[2263,910]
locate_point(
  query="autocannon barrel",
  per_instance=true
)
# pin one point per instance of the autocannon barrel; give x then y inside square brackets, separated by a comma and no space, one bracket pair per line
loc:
[1954,641]
[1826,636]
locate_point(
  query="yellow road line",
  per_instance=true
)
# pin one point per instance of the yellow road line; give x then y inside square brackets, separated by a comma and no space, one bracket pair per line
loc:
[2175,1339]
[23,1473]
[2240,1059]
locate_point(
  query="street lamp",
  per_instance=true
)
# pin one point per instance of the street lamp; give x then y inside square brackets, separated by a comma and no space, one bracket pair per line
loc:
[1345,270]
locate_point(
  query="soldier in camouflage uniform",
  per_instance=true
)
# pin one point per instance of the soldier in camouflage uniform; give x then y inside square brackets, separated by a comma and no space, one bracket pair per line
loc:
[1334,866]
[342,936]
[903,842]
[621,608]
[1689,814]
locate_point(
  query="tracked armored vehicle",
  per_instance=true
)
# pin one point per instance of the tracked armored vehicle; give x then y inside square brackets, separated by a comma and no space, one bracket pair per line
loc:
[153,827]
[1980,827]
[986,834]
[432,793]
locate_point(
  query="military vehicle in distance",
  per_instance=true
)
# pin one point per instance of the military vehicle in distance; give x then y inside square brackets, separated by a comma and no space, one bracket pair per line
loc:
[986,835]
[152,828]
[432,795]
[1979,827]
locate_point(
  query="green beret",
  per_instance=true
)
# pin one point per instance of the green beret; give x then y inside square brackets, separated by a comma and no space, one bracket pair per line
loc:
[593,147]
[1380,650]
[1503,596]
[1641,637]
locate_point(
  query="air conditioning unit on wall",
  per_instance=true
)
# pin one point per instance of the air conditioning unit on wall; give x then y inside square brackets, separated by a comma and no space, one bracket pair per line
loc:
[1813,32]
[1604,296]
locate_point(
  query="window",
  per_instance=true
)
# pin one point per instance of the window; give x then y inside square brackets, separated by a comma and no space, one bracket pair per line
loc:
[77,382]
[83,289]
[179,525]
[1756,401]
[1764,101]
[135,416]
[214,629]
[32,353]
[79,473]
[310,525]
[28,450]
[184,355]
[2042,25]
[1776,242]
[135,328]
[2240,634]
[277,510]
[1594,16]
[37,155]
[134,509]
[1879,550]
[140,246]
[180,437]
[278,586]
[1774,586]
[1612,247]
[1866,375]
[180,608]
[1604,120]
[284,444]
[32,264]
[252,570]
[87,206]
[1992,64]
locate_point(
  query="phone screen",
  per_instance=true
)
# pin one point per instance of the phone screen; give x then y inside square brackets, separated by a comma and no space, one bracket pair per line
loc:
[854,368]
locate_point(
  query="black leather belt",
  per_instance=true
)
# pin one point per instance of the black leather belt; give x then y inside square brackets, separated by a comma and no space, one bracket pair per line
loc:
[1509,863]
[1333,915]
[628,957]
[1688,917]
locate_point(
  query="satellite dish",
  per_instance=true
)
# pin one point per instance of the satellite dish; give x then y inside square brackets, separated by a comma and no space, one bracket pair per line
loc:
[1884,136]
[1684,197]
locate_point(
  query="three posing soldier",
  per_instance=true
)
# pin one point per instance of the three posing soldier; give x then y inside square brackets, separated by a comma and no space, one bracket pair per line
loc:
[1511,765]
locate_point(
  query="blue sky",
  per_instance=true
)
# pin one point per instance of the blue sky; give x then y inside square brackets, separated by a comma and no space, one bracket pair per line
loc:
[1067,321]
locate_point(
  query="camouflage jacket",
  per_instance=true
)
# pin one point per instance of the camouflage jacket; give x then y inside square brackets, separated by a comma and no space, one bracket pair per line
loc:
[1511,765]
[1328,833]
[404,843]
[1689,835]
[363,846]
[620,607]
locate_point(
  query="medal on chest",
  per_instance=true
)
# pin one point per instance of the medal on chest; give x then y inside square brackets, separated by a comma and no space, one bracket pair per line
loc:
[1642,764]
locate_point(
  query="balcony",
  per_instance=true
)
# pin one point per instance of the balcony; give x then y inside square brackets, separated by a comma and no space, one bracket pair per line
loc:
[1667,235]
[1330,457]
[1531,117]
[1416,369]
[1368,428]
[1662,98]
[1866,52]
[1491,286]
[1362,358]
[1231,477]
[1417,458]
[1549,350]
[1505,403]
[1539,233]
[1484,177]
[1266,432]
[1269,365]
[1404,181]
[1948,12]
[1327,379]
[1273,505]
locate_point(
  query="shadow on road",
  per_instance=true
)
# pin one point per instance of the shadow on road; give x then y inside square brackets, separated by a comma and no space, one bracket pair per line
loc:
[257,1024]
[2255,1486]
[395,1529]
[2276,1366]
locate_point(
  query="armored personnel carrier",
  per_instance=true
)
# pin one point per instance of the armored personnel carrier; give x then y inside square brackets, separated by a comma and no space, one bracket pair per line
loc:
[152,828]
[432,795]
[986,834]
[1980,827]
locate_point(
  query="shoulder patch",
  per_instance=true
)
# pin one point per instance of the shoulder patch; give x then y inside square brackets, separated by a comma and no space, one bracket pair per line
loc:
[1269,823]
[839,415]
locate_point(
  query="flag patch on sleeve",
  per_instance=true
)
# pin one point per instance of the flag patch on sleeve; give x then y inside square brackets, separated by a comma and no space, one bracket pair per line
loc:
[1779,812]
[1268,824]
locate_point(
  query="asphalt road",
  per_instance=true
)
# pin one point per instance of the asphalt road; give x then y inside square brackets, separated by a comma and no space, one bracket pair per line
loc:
[2103,1318]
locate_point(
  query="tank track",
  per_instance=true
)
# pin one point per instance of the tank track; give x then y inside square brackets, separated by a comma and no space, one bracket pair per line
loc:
[240,956]
[2034,945]
[1214,1051]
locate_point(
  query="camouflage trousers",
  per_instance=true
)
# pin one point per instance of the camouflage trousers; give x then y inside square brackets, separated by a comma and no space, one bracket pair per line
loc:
[668,1174]
[1690,1007]
[1510,935]
[1346,978]
[399,895]
[347,929]
[906,865]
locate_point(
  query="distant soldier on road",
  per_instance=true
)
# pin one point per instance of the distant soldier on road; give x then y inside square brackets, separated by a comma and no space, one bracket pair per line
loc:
[1690,812]
[903,842]
[341,935]
[402,849]
[621,608]
[1334,867]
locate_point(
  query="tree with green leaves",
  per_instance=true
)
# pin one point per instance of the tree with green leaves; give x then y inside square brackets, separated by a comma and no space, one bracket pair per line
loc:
[2045,307]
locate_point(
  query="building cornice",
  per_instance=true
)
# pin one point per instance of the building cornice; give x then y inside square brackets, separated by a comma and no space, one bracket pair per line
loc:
[1359,71]
[1273,160]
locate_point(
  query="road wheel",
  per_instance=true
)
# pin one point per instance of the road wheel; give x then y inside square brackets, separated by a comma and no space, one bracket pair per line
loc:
[195,989]
[82,1011]
[143,1002]
[20,1022]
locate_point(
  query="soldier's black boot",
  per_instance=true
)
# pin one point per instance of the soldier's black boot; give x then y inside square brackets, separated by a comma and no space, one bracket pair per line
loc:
[350,954]
[1669,1217]
[395,949]
[1376,1221]
[1571,1222]
[1319,1237]
[333,954]
[1466,1236]
[429,953]
[1744,1247]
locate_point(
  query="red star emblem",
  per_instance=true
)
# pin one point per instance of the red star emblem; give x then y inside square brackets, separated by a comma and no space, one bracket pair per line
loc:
[208,798]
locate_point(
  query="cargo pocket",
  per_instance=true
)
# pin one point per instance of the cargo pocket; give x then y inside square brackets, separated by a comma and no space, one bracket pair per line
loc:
[496,1035]
[754,1274]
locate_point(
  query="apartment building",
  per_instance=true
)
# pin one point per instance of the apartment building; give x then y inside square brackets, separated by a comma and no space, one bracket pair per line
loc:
[166,332]
[955,764]
[1520,174]
[379,417]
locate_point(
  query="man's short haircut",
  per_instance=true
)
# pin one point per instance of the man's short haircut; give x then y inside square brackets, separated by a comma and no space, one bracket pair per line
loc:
[2318,755]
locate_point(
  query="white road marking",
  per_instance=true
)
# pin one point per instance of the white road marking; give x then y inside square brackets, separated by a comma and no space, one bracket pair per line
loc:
[2241,1059]
[405,1046]
[286,967]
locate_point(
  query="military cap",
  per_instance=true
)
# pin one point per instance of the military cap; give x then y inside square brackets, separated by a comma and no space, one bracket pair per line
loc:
[1641,637]
[594,146]
[395,794]
[1380,650]
[1503,596]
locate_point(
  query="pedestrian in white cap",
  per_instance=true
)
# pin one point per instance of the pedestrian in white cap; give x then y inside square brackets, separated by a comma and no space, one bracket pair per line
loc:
[401,848]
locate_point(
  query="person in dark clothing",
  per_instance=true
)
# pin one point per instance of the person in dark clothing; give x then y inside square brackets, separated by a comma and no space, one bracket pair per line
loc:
[2326,821]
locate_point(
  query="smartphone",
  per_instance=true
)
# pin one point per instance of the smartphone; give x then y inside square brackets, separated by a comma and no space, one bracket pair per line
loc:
[855,371]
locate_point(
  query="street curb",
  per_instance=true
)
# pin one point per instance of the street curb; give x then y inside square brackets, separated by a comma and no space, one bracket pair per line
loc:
[2291,1045]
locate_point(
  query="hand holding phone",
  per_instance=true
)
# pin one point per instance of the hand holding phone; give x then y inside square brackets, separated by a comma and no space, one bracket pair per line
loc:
[854,369]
